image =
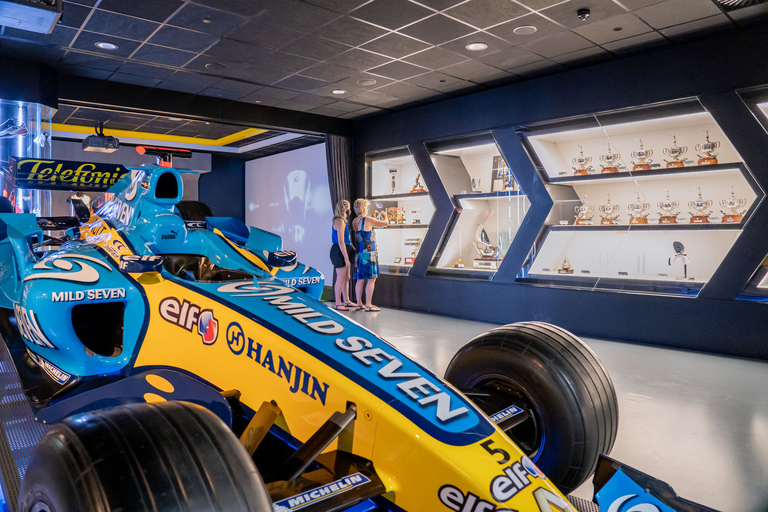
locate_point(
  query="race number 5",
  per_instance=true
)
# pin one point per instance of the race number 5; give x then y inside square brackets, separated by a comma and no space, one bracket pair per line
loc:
[496,451]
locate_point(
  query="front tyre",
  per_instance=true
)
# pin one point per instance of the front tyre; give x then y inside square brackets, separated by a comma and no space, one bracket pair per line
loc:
[572,410]
[172,456]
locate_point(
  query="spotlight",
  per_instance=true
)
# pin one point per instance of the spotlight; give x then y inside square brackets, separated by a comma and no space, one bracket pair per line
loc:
[101,143]
[583,14]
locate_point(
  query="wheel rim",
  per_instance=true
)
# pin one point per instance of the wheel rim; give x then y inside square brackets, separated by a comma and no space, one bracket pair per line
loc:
[493,394]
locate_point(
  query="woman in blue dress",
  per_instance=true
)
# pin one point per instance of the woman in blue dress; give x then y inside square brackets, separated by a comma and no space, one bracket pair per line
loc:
[342,251]
[367,269]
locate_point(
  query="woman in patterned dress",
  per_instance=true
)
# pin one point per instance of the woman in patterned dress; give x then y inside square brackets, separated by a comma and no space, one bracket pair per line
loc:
[367,269]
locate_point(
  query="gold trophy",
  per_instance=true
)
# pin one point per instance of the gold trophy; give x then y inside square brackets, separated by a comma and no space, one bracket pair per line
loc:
[700,217]
[643,157]
[418,187]
[565,267]
[708,158]
[637,208]
[611,161]
[583,216]
[583,164]
[675,152]
[611,212]
[666,216]
[733,204]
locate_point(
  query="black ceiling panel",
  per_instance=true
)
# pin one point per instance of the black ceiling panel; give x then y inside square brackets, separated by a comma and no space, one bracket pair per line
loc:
[118,25]
[314,47]
[181,86]
[242,7]
[437,29]
[87,41]
[391,14]
[544,28]
[234,50]
[485,13]
[260,75]
[435,58]
[262,33]
[301,83]
[298,15]
[350,31]
[440,4]
[342,6]
[395,45]
[328,72]
[163,55]
[194,78]
[182,39]
[31,51]
[98,74]
[566,14]
[398,70]
[222,93]
[155,10]
[133,79]
[359,59]
[92,61]
[460,45]
[236,86]
[205,19]
[215,66]
[133,68]
[73,15]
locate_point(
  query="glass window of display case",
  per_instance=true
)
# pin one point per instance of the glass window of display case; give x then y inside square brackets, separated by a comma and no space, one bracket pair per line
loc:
[397,193]
[489,206]
[648,200]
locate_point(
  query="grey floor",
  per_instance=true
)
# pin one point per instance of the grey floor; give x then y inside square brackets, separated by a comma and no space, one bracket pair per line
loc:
[697,421]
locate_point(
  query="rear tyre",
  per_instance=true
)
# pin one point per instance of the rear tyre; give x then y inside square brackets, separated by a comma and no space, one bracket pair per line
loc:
[194,210]
[553,376]
[171,456]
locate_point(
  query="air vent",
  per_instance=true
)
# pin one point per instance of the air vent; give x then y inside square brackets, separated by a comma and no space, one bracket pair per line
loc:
[732,5]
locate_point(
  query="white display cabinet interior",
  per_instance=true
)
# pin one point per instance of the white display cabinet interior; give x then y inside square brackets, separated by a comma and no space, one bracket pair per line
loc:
[397,193]
[488,206]
[647,201]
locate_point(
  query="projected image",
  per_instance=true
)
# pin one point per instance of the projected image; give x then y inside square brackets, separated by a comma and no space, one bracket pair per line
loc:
[288,194]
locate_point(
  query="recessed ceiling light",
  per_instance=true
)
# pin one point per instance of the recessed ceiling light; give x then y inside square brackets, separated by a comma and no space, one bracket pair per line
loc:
[476,47]
[214,65]
[174,119]
[367,81]
[207,20]
[525,30]
[339,91]
[617,29]
[106,46]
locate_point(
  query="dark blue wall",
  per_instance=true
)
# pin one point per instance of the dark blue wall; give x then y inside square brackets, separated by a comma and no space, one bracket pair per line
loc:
[223,189]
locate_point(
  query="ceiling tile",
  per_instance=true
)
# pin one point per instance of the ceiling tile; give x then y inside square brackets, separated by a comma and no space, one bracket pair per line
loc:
[637,44]
[463,88]
[98,74]
[391,14]
[88,40]
[537,69]
[242,7]
[308,100]
[134,68]
[471,70]
[261,33]
[544,28]
[219,23]
[297,15]
[350,31]
[440,4]
[236,86]
[342,85]
[342,6]
[163,55]
[260,74]
[434,58]
[214,65]
[437,29]
[637,4]
[313,47]
[375,98]
[606,31]
[583,57]
[344,106]
[61,36]
[278,94]
[128,27]
[485,13]
[134,80]
[235,51]
[360,60]
[301,83]
[558,44]
[84,2]
[460,45]
[260,99]
[541,4]
[73,15]
[398,70]
[511,57]
[282,61]
[156,10]
[566,13]
[187,87]
[182,39]
[366,78]
[222,93]
[406,91]
[435,80]
[695,29]
[91,61]
[327,111]
[675,12]
[194,78]
[328,72]
[395,45]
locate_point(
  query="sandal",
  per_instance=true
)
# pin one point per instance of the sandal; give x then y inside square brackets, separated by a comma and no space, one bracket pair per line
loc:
[358,308]
[372,308]
[350,305]
[340,307]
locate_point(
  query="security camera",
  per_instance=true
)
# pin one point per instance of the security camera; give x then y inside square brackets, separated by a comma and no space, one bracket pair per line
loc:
[583,14]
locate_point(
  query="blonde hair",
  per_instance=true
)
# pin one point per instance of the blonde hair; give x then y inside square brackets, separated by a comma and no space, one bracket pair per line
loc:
[341,209]
[360,205]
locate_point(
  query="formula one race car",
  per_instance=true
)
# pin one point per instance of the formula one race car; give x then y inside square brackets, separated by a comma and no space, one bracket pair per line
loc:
[154,338]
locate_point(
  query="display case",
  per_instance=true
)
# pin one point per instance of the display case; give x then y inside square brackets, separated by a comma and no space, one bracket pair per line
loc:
[397,193]
[649,200]
[488,206]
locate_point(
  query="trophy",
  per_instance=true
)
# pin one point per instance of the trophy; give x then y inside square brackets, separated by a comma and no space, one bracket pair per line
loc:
[415,243]
[675,152]
[416,216]
[488,254]
[637,208]
[393,174]
[708,158]
[583,216]
[666,216]
[582,162]
[459,264]
[680,255]
[700,217]
[611,212]
[611,161]
[418,187]
[565,267]
[476,185]
[643,157]
[400,216]
[733,204]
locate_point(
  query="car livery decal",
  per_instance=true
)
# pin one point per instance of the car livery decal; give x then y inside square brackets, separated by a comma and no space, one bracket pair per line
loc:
[321,493]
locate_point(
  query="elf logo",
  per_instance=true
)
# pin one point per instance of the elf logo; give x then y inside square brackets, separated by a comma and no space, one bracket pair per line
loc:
[188,316]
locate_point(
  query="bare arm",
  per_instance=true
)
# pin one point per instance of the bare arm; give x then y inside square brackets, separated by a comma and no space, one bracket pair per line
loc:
[376,223]
[338,225]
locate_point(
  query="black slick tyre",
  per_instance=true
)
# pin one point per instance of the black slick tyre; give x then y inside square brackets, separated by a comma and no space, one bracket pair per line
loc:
[571,405]
[194,210]
[166,457]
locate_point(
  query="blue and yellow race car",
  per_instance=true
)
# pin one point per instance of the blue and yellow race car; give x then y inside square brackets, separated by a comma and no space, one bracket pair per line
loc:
[188,364]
